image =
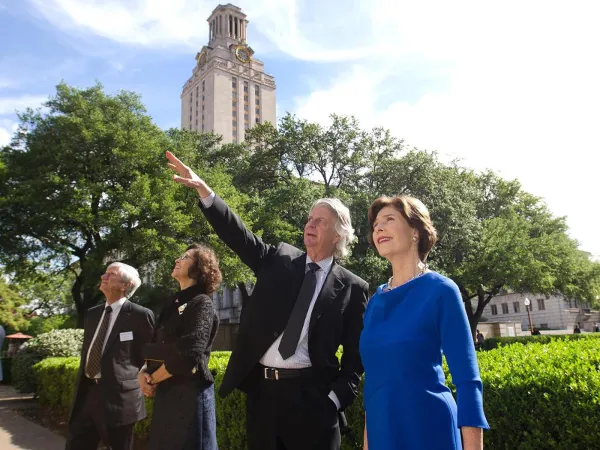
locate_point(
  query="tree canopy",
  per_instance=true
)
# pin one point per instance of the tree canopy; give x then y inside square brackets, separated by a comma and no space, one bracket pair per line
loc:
[84,182]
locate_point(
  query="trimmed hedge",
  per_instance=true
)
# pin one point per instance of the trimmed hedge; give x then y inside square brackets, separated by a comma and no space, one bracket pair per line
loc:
[542,395]
[495,342]
[56,343]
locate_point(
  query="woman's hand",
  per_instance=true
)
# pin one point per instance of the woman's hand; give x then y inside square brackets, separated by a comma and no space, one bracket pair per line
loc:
[187,177]
[144,380]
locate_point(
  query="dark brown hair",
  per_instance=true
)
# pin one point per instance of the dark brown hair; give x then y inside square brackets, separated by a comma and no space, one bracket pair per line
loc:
[205,269]
[416,215]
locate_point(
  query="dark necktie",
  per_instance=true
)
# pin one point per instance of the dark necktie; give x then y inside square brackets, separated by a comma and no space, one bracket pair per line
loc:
[291,336]
[92,368]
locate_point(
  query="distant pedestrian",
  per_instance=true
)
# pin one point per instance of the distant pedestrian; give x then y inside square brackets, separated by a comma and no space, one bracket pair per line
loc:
[576,330]
[480,340]
[536,332]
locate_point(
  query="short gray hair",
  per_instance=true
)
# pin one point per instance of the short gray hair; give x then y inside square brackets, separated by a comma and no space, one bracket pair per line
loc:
[343,225]
[128,275]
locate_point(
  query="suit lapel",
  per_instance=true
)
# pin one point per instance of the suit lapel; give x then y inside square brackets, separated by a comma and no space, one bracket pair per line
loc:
[121,319]
[333,284]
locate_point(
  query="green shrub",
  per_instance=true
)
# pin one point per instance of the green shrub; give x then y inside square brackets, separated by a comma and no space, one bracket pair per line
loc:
[56,378]
[535,396]
[495,342]
[543,396]
[23,378]
[56,343]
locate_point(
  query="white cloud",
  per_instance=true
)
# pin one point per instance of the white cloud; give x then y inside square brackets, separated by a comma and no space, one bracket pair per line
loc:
[522,97]
[7,129]
[287,26]
[8,105]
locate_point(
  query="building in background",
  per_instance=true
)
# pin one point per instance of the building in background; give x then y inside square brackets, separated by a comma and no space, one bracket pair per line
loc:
[552,313]
[229,91]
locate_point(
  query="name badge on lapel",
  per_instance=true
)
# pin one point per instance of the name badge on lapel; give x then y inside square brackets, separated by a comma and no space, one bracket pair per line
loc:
[126,336]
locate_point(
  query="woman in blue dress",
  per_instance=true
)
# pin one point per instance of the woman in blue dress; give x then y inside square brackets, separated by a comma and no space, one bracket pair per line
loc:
[409,322]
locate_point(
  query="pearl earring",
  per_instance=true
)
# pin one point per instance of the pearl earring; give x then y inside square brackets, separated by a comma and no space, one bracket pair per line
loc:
[414,238]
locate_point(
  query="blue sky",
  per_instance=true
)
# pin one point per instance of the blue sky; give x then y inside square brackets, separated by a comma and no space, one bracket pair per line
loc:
[511,85]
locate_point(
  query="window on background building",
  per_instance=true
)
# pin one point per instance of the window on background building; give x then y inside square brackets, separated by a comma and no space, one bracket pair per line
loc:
[190,126]
[196,113]
[257,111]
[202,127]
[494,309]
[257,101]
[202,117]
[203,97]
[541,304]
[234,123]
[234,102]
[245,107]
[245,86]
[246,117]
[234,113]
[196,123]
[258,120]
[196,103]
[517,307]
[544,326]
[190,117]
[246,126]
[504,308]
[203,85]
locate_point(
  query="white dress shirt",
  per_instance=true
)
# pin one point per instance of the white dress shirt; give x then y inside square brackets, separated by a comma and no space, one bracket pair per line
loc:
[116,308]
[300,359]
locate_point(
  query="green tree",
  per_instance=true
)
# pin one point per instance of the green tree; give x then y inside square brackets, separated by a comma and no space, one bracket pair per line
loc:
[85,182]
[12,307]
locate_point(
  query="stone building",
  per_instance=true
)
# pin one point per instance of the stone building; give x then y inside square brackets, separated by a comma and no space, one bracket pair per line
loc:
[229,91]
[547,313]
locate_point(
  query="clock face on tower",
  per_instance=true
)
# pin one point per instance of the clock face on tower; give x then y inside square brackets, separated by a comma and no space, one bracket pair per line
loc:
[242,54]
[202,60]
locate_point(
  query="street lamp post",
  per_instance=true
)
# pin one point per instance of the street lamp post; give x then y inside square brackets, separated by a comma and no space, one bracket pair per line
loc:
[527,303]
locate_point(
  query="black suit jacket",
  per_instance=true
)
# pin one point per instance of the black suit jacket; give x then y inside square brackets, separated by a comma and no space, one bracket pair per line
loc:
[337,317]
[121,361]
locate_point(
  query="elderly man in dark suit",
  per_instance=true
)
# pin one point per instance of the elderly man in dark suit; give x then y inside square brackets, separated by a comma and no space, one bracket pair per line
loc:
[108,400]
[302,308]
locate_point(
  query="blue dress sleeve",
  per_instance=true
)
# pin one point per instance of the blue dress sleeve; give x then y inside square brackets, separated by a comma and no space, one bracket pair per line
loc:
[457,345]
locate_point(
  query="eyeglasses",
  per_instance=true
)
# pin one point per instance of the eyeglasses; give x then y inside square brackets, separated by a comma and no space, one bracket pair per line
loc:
[181,258]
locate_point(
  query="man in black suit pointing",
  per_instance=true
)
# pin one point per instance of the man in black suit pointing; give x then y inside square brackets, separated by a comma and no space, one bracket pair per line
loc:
[108,400]
[302,308]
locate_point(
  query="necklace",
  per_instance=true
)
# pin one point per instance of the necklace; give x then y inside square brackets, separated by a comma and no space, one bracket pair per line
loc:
[422,270]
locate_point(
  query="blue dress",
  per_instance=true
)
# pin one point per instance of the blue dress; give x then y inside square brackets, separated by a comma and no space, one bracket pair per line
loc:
[407,403]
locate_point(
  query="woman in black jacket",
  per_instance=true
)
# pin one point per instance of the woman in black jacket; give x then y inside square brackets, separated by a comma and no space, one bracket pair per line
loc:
[176,370]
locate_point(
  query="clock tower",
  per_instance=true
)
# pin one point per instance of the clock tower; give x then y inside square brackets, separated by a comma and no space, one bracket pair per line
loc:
[229,91]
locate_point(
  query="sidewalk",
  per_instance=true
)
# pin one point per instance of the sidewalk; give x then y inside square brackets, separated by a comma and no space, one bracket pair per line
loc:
[18,433]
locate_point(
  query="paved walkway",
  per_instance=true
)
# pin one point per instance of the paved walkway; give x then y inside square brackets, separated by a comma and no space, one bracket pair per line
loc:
[18,433]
